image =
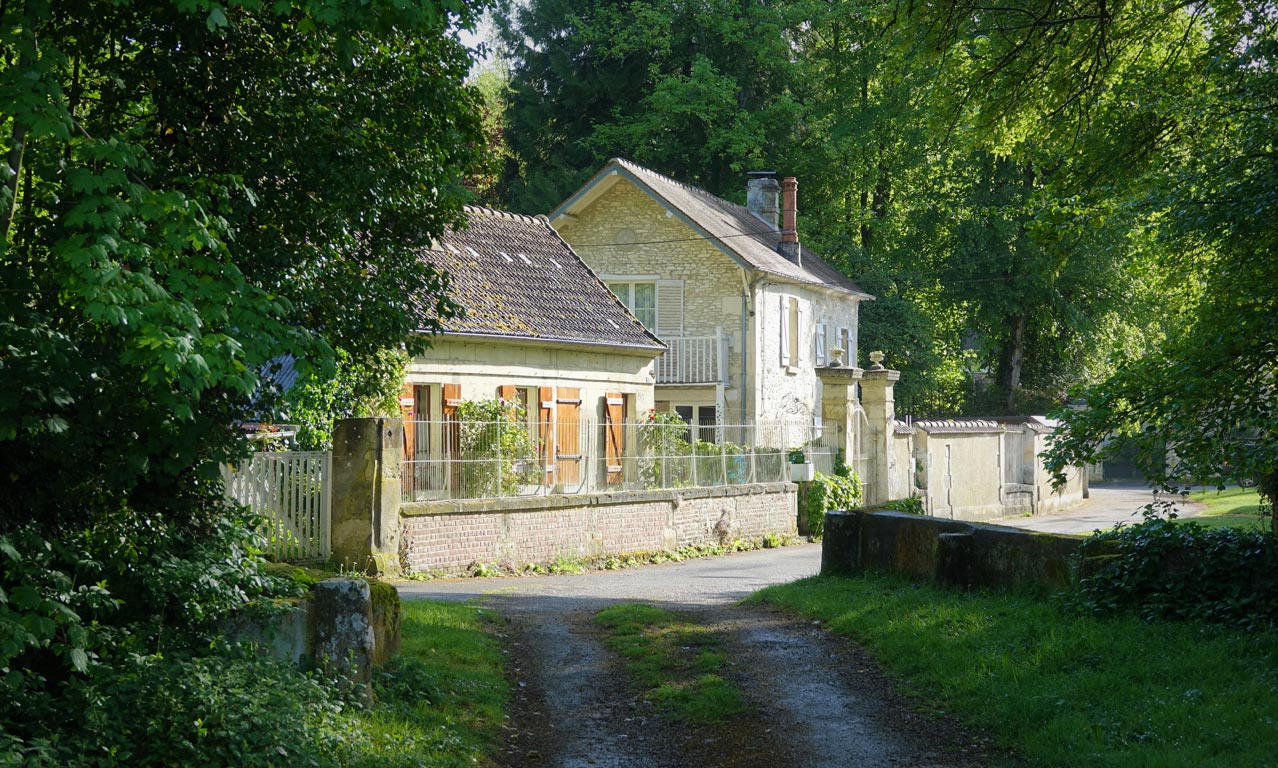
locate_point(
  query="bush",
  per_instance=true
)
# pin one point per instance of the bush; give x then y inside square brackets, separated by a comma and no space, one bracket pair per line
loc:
[910,506]
[827,493]
[1162,569]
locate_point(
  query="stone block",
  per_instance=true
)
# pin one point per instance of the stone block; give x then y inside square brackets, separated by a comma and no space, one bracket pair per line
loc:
[344,638]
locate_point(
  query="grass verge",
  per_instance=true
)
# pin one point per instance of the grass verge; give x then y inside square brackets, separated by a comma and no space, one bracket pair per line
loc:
[676,661]
[441,703]
[1236,507]
[1060,689]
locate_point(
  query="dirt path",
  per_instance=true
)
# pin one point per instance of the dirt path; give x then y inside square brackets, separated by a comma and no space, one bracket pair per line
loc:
[816,699]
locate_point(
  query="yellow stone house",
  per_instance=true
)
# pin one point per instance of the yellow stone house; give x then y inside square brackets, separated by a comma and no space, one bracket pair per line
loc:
[539,329]
[750,317]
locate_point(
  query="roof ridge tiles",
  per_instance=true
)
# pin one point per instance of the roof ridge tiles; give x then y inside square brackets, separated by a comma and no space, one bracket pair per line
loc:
[481,209]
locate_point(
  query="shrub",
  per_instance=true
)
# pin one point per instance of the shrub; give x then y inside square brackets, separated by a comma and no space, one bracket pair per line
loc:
[1162,569]
[497,446]
[911,506]
[827,493]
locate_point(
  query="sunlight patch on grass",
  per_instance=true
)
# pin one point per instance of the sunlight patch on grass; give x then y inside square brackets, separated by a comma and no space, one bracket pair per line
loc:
[441,702]
[1059,689]
[1237,507]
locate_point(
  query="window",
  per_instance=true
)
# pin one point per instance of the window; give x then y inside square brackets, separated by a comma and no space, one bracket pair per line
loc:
[640,299]
[843,338]
[657,303]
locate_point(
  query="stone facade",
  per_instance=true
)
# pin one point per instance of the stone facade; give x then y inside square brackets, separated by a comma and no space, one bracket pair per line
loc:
[627,234]
[446,537]
[481,366]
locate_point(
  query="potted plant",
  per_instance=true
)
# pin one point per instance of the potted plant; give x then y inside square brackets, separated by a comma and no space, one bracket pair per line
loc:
[801,470]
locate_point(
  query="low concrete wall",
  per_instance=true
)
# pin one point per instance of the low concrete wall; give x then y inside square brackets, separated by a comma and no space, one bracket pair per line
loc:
[448,536]
[947,552]
[346,626]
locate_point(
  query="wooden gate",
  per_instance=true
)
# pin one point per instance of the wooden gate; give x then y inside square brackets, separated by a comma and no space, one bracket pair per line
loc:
[292,491]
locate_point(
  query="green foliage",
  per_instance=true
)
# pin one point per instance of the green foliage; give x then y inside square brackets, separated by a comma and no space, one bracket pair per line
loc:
[1162,569]
[827,493]
[188,194]
[694,90]
[498,448]
[910,506]
[663,440]
[677,660]
[1059,689]
[360,387]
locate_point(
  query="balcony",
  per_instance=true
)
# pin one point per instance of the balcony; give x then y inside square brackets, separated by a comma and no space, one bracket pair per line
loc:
[694,360]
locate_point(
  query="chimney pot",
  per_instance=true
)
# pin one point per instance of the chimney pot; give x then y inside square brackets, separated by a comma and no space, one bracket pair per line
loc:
[762,192]
[789,246]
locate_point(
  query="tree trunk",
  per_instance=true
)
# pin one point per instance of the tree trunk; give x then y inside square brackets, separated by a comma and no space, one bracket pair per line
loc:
[1013,360]
[17,146]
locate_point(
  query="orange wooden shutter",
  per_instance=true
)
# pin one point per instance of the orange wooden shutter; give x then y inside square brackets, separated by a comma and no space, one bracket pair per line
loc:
[568,435]
[615,415]
[452,433]
[506,393]
[545,430]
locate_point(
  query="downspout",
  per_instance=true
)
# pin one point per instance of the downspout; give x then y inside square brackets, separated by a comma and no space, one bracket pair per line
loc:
[746,297]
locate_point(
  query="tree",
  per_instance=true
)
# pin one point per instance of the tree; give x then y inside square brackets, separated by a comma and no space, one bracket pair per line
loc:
[694,90]
[192,189]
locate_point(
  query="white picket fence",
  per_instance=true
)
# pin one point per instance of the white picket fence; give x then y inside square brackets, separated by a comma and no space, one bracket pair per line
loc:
[291,489]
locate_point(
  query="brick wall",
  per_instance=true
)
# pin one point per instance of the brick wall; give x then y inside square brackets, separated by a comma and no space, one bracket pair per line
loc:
[448,536]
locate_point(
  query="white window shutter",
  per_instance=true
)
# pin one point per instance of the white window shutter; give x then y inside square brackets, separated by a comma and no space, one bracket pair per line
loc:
[785,330]
[801,335]
[819,358]
[669,308]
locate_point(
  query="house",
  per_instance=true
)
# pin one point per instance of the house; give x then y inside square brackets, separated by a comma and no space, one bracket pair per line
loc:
[539,329]
[748,314]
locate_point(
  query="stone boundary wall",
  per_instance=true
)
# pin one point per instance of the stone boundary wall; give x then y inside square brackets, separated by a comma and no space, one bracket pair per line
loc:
[343,626]
[947,552]
[447,536]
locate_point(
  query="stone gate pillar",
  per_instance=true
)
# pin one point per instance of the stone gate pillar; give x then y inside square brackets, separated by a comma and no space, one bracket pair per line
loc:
[839,406]
[367,456]
[880,411]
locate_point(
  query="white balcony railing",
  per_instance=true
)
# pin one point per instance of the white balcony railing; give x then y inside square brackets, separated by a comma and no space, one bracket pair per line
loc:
[694,360]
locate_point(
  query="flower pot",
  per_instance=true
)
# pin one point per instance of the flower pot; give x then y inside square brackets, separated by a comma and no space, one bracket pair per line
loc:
[802,473]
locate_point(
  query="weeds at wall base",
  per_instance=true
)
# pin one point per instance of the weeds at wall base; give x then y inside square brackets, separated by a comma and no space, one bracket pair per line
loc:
[568,564]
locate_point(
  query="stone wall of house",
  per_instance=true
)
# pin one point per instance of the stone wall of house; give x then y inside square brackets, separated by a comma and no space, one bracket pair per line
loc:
[793,392]
[481,366]
[446,537]
[627,233]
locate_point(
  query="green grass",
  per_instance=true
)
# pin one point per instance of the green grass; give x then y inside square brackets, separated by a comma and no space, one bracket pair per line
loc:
[677,662]
[441,703]
[1059,689]
[1238,507]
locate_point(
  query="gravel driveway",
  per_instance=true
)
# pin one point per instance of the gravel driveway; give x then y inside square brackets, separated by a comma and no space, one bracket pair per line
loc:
[818,700]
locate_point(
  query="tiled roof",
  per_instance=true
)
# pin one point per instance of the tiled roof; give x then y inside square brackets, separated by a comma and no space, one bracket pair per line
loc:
[902,428]
[730,226]
[515,277]
[951,426]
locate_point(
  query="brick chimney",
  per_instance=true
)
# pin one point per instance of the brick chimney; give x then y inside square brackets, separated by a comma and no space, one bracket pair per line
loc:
[789,246]
[761,196]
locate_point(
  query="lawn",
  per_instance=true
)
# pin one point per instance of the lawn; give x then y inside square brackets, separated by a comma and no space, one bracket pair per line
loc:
[1231,507]
[1060,689]
[441,703]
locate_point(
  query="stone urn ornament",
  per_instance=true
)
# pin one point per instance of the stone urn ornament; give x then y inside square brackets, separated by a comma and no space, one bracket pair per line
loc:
[876,361]
[836,358]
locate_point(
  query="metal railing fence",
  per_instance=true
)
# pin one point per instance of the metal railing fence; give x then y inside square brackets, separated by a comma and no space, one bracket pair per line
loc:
[451,459]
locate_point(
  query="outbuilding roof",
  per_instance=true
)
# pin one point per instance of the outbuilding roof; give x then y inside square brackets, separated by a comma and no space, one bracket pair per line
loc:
[954,426]
[740,234]
[514,276]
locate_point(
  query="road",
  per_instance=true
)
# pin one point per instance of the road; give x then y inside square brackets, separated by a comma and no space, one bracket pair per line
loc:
[817,701]
[1109,505]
